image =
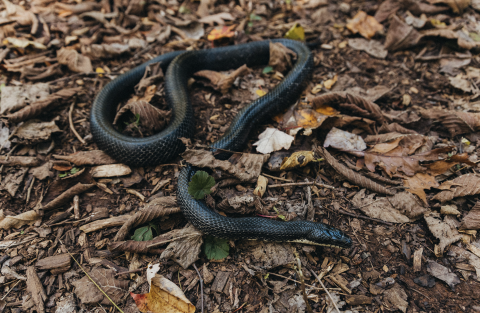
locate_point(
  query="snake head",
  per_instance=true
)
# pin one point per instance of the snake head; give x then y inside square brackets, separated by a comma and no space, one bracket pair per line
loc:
[325,235]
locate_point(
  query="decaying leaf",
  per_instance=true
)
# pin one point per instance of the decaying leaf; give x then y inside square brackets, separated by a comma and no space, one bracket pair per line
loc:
[17,221]
[246,167]
[364,24]
[74,60]
[16,97]
[442,231]
[443,273]
[472,219]
[150,117]
[221,81]
[273,139]
[344,141]
[12,180]
[218,18]
[397,297]
[261,186]
[457,122]
[465,185]
[400,35]
[418,183]
[461,253]
[34,131]
[92,157]
[164,296]
[221,32]
[103,51]
[297,159]
[186,249]
[280,57]
[372,47]
[380,208]
[268,254]
[88,293]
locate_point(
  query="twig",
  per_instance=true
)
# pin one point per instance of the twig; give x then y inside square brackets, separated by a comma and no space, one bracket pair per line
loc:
[130,272]
[76,207]
[201,284]
[99,288]
[70,120]
[277,178]
[11,288]
[300,274]
[296,281]
[323,286]
[170,240]
[241,307]
[301,184]
[29,191]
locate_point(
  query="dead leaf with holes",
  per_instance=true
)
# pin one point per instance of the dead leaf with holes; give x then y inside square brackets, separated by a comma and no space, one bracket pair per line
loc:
[114,287]
[220,81]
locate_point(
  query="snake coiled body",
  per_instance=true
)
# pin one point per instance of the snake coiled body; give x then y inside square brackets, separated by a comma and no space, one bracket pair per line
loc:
[159,148]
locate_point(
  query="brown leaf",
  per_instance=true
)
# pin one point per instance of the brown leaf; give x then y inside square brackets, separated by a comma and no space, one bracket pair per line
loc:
[185,251]
[472,219]
[280,57]
[386,9]
[220,81]
[457,6]
[380,208]
[79,7]
[218,18]
[364,24]
[407,204]
[66,196]
[17,221]
[41,106]
[104,51]
[153,74]
[144,246]
[151,117]
[351,175]
[395,128]
[442,231]
[466,185]
[420,182]
[12,180]
[88,293]
[74,60]
[17,97]
[456,122]
[441,166]
[93,157]
[19,161]
[34,131]
[158,207]
[463,41]
[401,36]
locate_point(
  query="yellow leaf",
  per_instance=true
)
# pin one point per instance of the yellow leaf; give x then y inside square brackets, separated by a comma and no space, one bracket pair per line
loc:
[297,159]
[260,92]
[329,83]
[296,32]
[221,32]
[100,71]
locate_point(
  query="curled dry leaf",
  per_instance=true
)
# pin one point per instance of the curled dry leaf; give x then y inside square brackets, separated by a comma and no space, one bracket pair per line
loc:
[456,122]
[218,18]
[104,51]
[164,296]
[186,250]
[443,273]
[472,219]
[221,81]
[93,157]
[88,293]
[78,8]
[148,245]
[151,117]
[17,221]
[443,231]
[364,24]
[67,196]
[273,139]
[74,60]
[401,36]
[465,185]
[280,57]
[297,159]
[344,141]
[261,186]
[247,167]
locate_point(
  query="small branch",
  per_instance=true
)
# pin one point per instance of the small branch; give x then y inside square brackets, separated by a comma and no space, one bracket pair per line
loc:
[29,191]
[323,286]
[201,284]
[70,120]
[173,239]
[300,274]
[132,271]
[76,207]
[277,178]
[301,184]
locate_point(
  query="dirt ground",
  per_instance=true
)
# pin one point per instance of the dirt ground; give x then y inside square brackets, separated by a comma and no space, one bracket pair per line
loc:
[382,145]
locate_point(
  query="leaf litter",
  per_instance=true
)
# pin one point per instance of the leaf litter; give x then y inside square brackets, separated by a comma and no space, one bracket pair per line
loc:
[402,101]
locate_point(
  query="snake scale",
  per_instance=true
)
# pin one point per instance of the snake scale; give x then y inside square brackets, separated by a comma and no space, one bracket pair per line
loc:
[164,146]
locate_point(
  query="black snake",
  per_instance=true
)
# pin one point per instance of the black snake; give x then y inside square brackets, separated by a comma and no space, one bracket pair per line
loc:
[161,147]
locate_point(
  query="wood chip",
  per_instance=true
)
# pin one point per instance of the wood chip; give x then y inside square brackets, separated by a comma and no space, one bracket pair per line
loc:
[220,281]
[111,170]
[35,287]
[358,299]
[417,260]
[341,282]
[56,264]
[101,224]
[19,161]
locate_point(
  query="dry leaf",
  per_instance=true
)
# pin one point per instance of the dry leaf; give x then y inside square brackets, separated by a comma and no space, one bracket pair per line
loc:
[396,297]
[221,32]
[261,186]
[401,36]
[456,122]
[457,6]
[218,18]
[442,231]
[16,97]
[380,208]
[443,273]
[461,253]
[151,117]
[273,140]
[33,131]
[164,297]
[280,57]
[104,51]
[472,219]
[364,24]
[297,159]
[93,157]
[186,250]
[221,81]
[88,293]
[12,181]
[372,47]
[344,141]
[420,182]
[465,185]
[17,221]
[441,166]
[75,61]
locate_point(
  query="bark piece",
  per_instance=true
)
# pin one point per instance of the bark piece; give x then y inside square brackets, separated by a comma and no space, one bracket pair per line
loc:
[56,264]
[443,273]
[35,287]
[101,224]
[220,281]
[111,170]
[417,260]
[19,161]
[358,299]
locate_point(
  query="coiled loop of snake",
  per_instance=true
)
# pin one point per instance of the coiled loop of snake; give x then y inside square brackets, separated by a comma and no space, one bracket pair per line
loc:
[165,145]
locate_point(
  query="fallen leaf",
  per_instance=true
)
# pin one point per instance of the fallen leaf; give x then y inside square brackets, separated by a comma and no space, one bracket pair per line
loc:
[457,6]
[186,250]
[24,43]
[16,97]
[5,143]
[280,57]
[261,186]
[463,40]
[457,122]
[443,273]
[344,141]
[17,221]
[149,116]
[221,32]
[164,296]
[472,219]
[442,231]
[34,131]
[105,50]
[221,81]
[420,182]
[75,61]
[396,297]
[386,9]
[372,47]
[407,204]
[296,32]
[12,180]
[328,84]
[92,157]
[297,159]
[441,166]
[401,36]
[273,140]
[461,253]
[114,287]
[364,24]
[218,18]
[379,208]
[465,185]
